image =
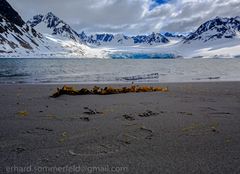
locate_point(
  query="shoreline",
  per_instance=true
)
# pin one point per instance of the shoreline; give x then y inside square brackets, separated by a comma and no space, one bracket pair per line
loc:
[192,127]
[121,83]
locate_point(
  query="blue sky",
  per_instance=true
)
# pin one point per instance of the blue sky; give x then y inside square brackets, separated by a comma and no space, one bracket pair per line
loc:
[130,16]
[157,3]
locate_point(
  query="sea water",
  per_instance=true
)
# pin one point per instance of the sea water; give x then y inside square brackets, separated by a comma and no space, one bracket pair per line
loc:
[54,70]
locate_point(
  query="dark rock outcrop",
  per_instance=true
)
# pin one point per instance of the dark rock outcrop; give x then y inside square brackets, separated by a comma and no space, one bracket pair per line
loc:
[7,12]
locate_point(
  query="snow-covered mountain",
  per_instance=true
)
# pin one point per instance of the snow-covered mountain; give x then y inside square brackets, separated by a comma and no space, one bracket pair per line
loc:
[216,29]
[123,40]
[51,24]
[219,37]
[49,36]
[15,35]
[108,40]
[20,39]
[152,39]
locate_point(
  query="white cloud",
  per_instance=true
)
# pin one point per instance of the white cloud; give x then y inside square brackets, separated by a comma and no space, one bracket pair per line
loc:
[130,16]
[187,15]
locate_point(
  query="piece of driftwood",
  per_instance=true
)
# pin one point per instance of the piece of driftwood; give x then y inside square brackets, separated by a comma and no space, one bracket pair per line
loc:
[68,90]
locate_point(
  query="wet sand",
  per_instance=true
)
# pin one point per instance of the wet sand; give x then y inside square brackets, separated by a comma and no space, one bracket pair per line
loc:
[193,128]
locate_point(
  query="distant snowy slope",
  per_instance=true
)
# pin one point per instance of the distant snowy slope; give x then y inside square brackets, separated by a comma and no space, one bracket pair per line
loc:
[60,47]
[115,40]
[174,35]
[109,40]
[152,39]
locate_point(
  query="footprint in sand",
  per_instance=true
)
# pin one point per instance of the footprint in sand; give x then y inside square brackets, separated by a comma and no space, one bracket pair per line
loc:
[148,113]
[38,131]
[104,145]
[85,119]
[134,134]
[95,146]
[185,113]
[90,143]
[200,129]
[128,117]
[91,111]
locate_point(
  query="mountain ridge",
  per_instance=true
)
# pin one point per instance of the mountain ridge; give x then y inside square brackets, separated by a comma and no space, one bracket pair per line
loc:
[218,28]
[55,25]
[15,34]
[19,39]
[215,36]
[121,39]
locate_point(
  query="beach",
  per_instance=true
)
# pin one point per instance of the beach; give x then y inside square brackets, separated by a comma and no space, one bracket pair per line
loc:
[192,128]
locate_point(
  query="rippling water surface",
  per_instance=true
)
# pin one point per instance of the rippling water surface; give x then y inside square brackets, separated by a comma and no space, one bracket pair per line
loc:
[117,71]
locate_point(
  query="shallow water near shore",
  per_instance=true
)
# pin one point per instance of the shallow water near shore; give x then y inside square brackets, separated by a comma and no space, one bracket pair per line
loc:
[17,70]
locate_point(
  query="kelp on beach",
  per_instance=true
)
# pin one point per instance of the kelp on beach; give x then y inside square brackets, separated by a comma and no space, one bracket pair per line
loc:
[68,90]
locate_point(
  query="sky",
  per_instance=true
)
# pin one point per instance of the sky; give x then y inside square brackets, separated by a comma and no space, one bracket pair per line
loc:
[130,16]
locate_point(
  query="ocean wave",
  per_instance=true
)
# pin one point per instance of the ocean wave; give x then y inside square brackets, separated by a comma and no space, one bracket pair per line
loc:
[140,77]
[208,78]
[14,75]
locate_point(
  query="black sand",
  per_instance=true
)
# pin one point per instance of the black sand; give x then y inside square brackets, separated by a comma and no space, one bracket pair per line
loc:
[193,128]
